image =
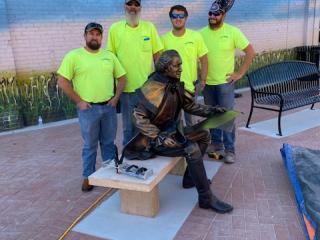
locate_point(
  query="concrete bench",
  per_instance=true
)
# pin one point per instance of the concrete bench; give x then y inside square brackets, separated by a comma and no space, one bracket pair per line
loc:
[139,197]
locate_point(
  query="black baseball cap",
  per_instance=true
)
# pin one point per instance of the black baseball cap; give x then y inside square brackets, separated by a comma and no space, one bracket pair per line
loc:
[138,1]
[93,25]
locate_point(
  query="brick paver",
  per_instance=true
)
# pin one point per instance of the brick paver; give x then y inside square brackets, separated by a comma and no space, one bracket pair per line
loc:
[40,178]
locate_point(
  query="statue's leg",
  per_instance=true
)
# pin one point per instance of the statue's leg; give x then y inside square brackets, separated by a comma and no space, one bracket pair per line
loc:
[202,138]
[197,171]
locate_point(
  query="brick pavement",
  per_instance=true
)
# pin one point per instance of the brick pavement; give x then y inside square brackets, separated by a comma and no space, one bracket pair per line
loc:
[40,178]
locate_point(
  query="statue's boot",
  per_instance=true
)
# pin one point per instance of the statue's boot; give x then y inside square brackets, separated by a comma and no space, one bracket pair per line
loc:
[197,171]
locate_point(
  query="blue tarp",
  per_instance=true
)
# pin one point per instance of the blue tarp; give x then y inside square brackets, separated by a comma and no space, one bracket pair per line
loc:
[303,166]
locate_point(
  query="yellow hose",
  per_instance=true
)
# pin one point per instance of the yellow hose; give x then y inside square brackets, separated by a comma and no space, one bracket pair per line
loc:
[85,212]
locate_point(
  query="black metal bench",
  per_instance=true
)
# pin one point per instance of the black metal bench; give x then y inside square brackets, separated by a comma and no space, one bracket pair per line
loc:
[284,86]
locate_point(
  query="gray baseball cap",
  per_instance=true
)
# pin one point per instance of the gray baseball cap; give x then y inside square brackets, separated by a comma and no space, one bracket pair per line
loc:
[93,25]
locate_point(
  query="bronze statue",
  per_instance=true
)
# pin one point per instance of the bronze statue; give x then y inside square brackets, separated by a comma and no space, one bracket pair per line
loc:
[157,115]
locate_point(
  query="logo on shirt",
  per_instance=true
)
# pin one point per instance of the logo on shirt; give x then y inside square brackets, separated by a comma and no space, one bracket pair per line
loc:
[146,38]
[224,36]
[188,42]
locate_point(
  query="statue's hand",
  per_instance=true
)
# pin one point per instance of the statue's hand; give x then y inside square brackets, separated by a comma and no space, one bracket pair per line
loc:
[165,140]
[218,109]
[169,142]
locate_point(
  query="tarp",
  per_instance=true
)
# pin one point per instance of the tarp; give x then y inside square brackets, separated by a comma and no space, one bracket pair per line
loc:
[303,166]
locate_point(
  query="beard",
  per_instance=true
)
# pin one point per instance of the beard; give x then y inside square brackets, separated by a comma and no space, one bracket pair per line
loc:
[217,23]
[132,18]
[93,45]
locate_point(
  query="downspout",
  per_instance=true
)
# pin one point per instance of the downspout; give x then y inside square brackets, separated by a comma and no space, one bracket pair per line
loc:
[306,22]
[315,41]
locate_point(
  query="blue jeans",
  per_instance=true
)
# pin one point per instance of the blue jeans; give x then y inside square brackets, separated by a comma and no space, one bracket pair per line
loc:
[222,95]
[97,124]
[128,102]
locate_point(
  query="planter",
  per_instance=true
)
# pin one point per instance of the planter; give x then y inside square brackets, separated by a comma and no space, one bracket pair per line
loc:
[10,119]
[30,118]
[52,116]
[71,113]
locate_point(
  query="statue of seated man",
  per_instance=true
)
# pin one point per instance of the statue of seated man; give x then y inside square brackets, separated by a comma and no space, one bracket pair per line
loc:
[157,117]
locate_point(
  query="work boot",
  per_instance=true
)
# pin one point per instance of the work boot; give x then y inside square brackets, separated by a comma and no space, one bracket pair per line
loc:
[187,181]
[237,95]
[86,187]
[210,201]
[229,157]
[215,151]
[216,155]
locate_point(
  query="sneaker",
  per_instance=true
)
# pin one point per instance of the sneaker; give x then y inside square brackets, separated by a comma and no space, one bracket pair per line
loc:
[108,163]
[86,187]
[229,157]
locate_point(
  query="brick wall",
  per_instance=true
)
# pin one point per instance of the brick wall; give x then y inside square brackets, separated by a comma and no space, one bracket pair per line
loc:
[35,35]
[7,66]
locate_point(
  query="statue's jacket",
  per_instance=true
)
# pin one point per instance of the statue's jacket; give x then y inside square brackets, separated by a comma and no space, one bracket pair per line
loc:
[160,101]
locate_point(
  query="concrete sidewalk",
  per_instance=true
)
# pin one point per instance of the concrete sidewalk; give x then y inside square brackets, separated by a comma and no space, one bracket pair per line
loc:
[40,179]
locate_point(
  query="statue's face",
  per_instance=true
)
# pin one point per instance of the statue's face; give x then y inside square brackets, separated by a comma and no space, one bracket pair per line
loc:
[174,70]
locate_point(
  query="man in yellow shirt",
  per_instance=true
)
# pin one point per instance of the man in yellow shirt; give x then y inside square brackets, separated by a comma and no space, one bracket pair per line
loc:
[222,40]
[137,44]
[92,72]
[190,46]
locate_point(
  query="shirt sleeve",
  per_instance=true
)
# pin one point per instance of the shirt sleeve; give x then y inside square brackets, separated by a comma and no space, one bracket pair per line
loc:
[66,68]
[241,42]
[202,47]
[156,41]
[118,69]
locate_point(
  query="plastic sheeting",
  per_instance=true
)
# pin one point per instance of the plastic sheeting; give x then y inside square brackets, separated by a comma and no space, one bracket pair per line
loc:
[303,167]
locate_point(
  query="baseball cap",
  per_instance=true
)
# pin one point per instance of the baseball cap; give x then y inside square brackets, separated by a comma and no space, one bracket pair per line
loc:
[93,25]
[138,1]
[221,6]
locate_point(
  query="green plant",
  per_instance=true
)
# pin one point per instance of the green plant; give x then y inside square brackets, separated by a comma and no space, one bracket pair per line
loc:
[10,117]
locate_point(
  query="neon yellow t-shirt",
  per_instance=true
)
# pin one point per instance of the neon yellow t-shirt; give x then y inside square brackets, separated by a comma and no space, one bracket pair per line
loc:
[190,47]
[222,44]
[134,48]
[92,74]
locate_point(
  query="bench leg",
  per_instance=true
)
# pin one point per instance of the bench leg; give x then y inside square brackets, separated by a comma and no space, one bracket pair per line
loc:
[140,203]
[180,167]
[279,123]
[249,118]
[312,106]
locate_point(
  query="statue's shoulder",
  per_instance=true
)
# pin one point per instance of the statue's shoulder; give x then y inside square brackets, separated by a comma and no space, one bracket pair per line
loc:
[152,92]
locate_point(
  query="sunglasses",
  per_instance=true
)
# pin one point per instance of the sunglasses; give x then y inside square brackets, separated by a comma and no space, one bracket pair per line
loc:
[177,15]
[214,13]
[133,3]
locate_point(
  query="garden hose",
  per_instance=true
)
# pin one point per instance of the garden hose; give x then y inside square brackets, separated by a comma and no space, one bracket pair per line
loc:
[85,212]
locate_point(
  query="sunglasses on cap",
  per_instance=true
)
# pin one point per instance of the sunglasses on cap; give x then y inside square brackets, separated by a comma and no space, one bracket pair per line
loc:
[210,13]
[133,3]
[177,15]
